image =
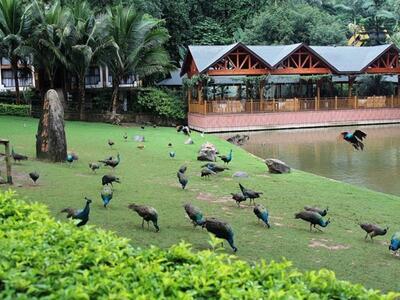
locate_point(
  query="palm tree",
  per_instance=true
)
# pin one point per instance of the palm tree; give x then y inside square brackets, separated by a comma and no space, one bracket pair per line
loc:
[15,28]
[137,46]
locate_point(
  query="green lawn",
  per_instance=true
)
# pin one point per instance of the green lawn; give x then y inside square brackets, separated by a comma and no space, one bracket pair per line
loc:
[149,176]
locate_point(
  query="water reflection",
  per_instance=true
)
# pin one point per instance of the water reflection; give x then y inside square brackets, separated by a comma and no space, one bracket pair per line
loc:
[320,151]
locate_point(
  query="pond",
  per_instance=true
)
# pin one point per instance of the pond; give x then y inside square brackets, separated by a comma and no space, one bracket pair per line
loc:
[321,152]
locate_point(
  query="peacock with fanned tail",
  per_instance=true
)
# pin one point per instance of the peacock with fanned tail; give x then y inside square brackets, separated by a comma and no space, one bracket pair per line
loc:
[195,214]
[106,195]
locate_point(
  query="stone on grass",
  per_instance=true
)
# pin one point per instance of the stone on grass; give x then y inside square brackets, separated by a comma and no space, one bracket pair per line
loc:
[207,152]
[51,143]
[240,174]
[277,166]
[138,138]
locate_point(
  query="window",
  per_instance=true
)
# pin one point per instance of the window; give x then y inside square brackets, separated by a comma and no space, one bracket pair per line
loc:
[130,79]
[92,76]
[7,78]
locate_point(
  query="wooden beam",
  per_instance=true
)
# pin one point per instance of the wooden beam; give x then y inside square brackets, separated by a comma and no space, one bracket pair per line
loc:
[383,70]
[238,72]
[300,71]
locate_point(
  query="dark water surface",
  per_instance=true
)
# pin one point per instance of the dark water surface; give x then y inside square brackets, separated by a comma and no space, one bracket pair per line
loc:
[319,151]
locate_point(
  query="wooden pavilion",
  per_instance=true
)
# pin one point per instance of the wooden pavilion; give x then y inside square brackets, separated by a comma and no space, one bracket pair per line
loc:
[237,87]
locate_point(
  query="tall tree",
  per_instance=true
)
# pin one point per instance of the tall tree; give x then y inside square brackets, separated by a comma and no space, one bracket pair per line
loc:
[15,29]
[137,46]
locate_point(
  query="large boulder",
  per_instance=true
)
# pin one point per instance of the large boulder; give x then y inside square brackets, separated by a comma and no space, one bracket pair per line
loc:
[238,139]
[207,152]
[51,143]
[277,166]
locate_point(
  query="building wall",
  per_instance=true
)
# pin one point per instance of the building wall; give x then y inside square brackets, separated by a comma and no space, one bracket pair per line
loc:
[282,120]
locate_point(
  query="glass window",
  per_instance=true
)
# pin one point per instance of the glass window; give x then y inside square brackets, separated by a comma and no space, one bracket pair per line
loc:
[7,78]
[92,76]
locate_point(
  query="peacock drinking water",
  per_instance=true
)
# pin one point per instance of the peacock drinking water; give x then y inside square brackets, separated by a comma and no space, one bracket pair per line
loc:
[106,195]
[82,214]
[195,214]
[262,214]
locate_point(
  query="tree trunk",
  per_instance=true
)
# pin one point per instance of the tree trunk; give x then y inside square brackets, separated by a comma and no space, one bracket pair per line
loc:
[115,97]
[14,67]
[81,89]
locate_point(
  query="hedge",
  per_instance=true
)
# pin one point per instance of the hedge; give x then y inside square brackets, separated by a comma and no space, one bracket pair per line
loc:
[15,110]
[44,258]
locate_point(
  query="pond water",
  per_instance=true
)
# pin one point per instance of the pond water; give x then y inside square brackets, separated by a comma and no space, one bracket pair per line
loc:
[321,152]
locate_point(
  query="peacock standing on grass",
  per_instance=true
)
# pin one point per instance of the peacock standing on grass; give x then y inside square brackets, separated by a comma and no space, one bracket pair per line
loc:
[182,169]
[106,195]
[206,172]
[215,168]
[34,176]
[111,162]
[373,230]
[182,179]
[71,157]
[125,136]
[195,214]
[221,230]
[147,213]
[94,166]
[18,157]
[238,197]
[82,214]
[355,138]
[322,212]
[250,193]
[109,179]
[226,158]
[313,218]
[110,143]
[395,242]
[262,214]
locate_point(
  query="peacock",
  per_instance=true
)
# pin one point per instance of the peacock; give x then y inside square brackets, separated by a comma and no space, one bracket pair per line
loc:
[18,157]
[110,143]
[395,242]
[206,172]
[373,230]
[182,169]
[221,230]
[322,212]
[262,214]
[109,179]
[355,138]
[106,195]
[94,166]
[250,193]
[125,136]
[238,197]
[147,213]
[215,168]
[111,162]
[182,179]
[34,176]
[172,154]
[82,214]
[313,218]
[184,129]
[194,214]
[71,157]
[226,158]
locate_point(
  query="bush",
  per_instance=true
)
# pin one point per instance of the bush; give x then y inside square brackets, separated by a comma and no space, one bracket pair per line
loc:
[163,103]
[40,257]
[15,110]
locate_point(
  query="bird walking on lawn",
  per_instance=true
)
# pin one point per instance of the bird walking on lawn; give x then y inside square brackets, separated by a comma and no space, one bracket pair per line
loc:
[215,168]
[195,214]
[205,172]
[184,129]
[373,230]
[18,157]
[262,214]
[250,193]
[110,143]
[109,179]
[182,169]
[182,179]
[172,154]
[125,136]
[106,195]
[94,166]
[147,213]
[318,210]
[82,214]
[34,176]
[111,162]
[221,230]
[238,197]
[395,242]
[355,138]
[226,158]
[313,218]
[71,157]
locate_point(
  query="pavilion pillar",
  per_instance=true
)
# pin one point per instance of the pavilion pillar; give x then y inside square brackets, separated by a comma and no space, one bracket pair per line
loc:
[261,95]
[398,90]
[318,98]
[351,81]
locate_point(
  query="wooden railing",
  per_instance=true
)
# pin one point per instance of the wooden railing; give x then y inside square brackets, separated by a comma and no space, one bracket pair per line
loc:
[293,104]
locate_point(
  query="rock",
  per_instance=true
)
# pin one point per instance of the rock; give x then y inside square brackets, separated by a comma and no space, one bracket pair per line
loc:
[51,143]
[238,139]
[207,152]
[189,141]
[240,174]
[138,138]
[277,166]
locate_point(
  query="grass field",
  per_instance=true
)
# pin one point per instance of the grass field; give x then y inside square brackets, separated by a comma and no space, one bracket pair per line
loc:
[149,176]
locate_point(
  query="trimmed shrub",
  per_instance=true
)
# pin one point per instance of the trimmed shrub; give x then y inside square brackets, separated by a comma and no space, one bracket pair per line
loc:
[15,110]
[43,258]
[163,103]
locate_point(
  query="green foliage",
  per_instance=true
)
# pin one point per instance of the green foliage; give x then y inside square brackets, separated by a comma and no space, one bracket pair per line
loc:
[15,110]
[163,103]
[209,32]
[44,258]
